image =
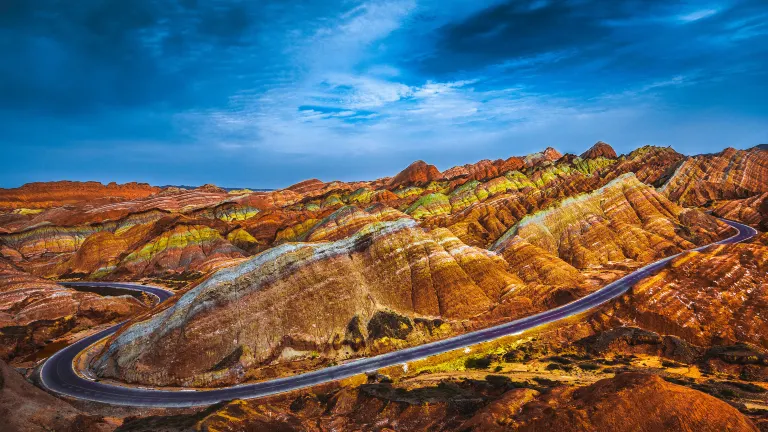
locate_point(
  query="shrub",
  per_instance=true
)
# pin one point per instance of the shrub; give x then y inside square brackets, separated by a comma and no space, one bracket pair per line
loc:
[477,363]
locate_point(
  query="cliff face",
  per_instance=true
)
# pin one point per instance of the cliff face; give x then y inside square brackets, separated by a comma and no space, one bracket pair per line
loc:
[726,175]
[34,310]
[301,297]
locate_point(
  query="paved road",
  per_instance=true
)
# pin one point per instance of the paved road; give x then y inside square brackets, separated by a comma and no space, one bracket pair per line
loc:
[57,373]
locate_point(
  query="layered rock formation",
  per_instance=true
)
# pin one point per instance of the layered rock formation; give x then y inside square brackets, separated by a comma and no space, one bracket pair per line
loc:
[477,202]
[301,297]
[624,220]
[726,175]
[651,165]
[484,169]
[181,249]
[34,311]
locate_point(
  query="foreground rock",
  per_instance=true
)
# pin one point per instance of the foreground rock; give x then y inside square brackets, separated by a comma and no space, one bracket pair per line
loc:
[628,402]
[716,296]
[632,402]
[26,408]
[33,311]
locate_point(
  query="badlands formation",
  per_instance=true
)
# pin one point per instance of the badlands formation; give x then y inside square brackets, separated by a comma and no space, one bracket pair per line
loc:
[279,282]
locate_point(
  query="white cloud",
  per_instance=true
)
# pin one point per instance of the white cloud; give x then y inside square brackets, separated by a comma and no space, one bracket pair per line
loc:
[697,15]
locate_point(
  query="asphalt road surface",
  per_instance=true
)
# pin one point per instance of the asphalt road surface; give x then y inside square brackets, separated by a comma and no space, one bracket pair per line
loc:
[58,375]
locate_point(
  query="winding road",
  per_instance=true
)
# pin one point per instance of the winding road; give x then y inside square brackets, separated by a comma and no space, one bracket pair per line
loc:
[58,376]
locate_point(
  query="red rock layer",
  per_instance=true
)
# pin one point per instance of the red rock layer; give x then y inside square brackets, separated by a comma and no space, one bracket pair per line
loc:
[726,175]
[484,169]
[417,173]
[600,149]
[55,194]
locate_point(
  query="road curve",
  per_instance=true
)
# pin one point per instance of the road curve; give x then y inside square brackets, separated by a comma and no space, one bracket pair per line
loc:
[58,376]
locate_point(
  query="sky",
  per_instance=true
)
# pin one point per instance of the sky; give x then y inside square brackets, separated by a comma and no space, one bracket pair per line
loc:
[264,94]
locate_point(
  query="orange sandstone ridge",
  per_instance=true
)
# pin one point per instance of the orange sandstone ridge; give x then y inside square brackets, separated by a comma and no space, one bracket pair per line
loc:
[54,194]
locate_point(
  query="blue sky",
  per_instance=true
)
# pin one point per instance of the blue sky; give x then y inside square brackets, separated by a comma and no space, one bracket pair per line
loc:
[264,94]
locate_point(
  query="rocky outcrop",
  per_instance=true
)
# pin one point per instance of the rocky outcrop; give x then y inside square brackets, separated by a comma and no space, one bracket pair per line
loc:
[600,149]
[34,310]
[417,173]
[548,155]
[730,174]
[308,292]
